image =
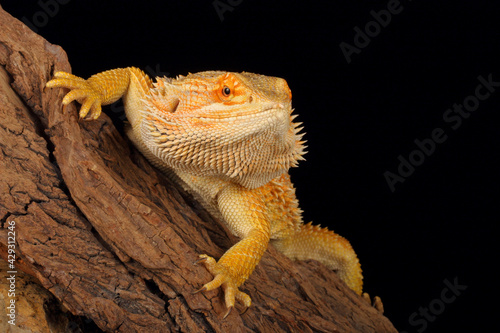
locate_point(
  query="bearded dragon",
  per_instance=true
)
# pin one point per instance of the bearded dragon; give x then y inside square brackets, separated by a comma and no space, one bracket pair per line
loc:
[228,138]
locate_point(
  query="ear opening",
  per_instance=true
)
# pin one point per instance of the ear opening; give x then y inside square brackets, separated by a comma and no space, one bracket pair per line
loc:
[174,104]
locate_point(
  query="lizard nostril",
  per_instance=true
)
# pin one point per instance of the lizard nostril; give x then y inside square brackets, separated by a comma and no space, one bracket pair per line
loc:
[250,99]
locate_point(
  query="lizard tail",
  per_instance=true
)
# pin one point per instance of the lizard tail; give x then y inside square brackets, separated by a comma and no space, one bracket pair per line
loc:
[325,246]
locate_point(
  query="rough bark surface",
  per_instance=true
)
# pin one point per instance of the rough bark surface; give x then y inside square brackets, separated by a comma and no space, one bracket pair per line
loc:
[112,240]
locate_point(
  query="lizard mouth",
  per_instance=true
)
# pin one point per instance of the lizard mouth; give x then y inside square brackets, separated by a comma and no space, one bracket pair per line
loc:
[241,113]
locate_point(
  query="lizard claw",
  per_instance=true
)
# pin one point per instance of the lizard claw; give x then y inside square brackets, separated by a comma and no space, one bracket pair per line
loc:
[228,312]
[81,91]
[201,289]
[230,308]
[244,310]
[202,259]
[223,278]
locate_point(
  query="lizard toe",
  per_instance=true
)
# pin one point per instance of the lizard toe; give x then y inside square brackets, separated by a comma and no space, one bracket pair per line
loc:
[376,303]
[81,91]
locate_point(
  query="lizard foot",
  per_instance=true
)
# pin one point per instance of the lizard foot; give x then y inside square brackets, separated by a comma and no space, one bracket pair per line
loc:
[377,302]
[223,278]
[81,91]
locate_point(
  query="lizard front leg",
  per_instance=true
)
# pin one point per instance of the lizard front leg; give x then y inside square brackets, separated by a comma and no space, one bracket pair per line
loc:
[101,89]
[244,213]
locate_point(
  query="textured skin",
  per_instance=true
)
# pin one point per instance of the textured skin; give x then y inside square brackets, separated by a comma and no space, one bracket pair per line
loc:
[228,138]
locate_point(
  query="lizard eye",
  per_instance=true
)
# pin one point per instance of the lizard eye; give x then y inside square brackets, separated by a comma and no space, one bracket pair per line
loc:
[226,91]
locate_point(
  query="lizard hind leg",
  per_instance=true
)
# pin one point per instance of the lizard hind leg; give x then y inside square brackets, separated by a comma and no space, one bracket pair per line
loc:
[325,246]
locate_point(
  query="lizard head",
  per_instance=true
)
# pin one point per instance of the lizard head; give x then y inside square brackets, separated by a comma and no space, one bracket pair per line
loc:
[230,125]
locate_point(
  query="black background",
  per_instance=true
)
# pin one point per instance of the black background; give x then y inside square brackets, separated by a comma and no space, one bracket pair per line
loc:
[359,117]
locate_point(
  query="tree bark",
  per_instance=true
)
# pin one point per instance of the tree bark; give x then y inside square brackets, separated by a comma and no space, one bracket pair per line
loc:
[112,240]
